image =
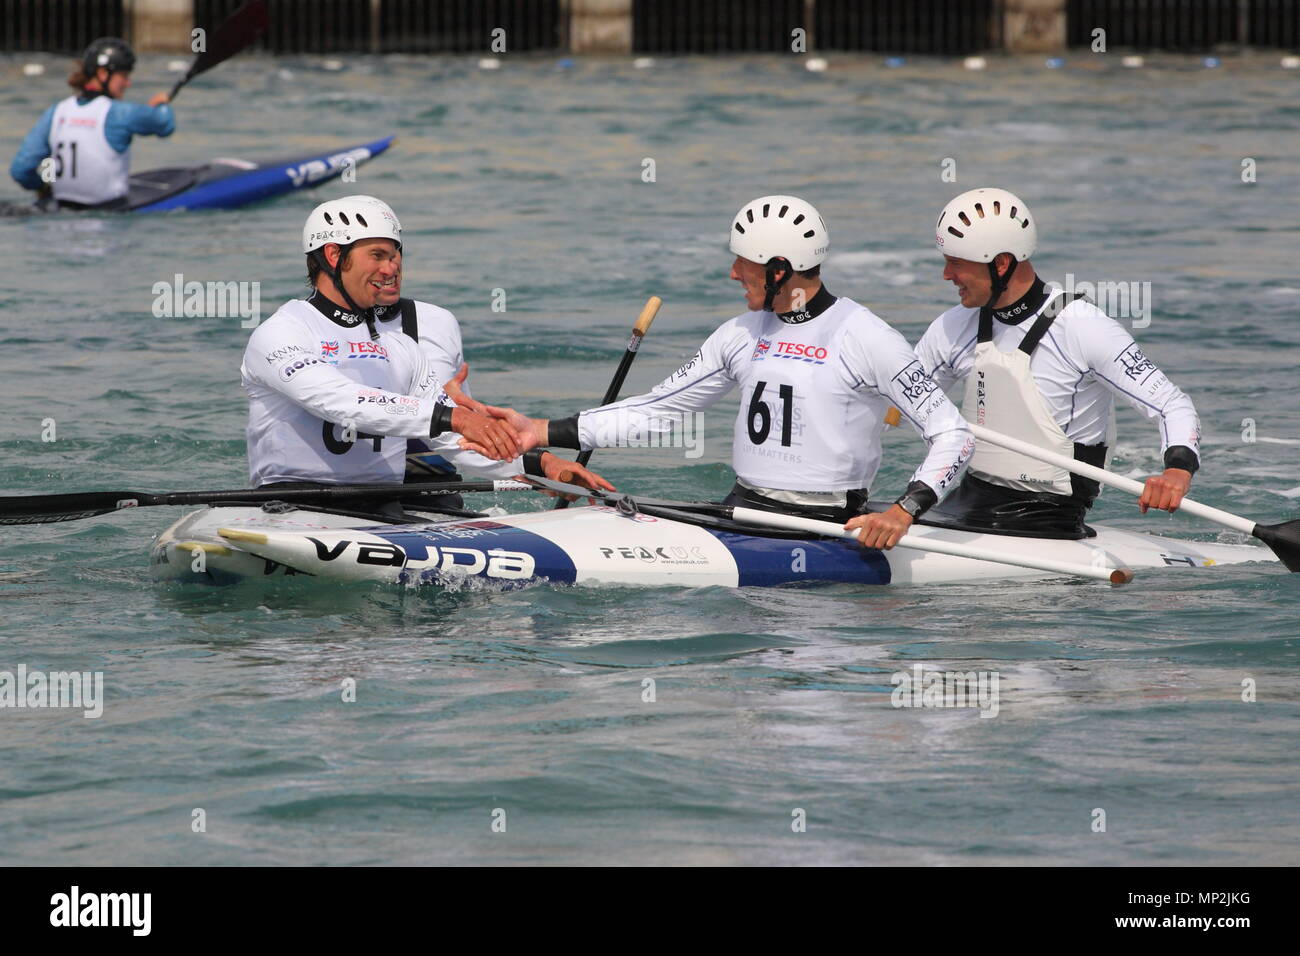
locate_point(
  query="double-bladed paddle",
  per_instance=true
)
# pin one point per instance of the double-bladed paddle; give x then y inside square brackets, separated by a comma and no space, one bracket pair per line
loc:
[1282,538]
[42,509]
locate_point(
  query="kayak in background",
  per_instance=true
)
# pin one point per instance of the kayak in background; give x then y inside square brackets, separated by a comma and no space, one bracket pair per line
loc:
[228,183]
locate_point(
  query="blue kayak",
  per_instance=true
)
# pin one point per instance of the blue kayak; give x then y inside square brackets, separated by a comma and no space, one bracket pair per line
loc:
[229,183]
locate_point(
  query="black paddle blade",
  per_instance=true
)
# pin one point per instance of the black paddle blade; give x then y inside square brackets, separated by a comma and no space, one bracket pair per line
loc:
[42,509]
[238,31]
[235,33]
[1284,539]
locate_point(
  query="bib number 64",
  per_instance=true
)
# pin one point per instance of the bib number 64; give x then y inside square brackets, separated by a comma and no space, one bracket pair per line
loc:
[343,444]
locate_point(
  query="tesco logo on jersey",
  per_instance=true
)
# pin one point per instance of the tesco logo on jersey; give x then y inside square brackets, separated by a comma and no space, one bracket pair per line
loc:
[815,354]
[367,350]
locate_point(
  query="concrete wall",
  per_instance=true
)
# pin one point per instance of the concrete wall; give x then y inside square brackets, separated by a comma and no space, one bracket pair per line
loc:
[160,26]
[600,26]
[1033,26]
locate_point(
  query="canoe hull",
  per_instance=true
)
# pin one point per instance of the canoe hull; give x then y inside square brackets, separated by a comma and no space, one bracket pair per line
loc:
[598,545]
[229,184]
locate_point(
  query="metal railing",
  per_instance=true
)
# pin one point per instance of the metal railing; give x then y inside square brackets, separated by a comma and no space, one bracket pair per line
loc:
[400,26]
[943,27]
[58,26]
[937,27]
[1184,25]
[715,26]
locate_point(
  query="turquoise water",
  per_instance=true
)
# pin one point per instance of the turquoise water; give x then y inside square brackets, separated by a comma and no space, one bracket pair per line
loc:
[529,179]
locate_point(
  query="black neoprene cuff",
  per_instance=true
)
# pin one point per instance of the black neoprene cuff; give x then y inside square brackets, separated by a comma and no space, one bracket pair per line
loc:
[441,420]
[533,463]
[922,494]
[564,432]
[1180,456]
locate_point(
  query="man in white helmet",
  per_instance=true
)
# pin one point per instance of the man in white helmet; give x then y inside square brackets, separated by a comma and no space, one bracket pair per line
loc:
[1044,367]
[333,395]
[817,375]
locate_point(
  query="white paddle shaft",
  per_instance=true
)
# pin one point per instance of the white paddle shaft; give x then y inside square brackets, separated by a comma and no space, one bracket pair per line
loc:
[1108,478]
[918,543]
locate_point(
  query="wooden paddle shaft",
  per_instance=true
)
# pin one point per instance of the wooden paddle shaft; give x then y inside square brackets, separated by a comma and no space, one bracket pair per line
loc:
[1108,477]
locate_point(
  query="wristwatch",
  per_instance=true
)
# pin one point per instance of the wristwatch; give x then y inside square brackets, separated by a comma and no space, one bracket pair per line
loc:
[910,505]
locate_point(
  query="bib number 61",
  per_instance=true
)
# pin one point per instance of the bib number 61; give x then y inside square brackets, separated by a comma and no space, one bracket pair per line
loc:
[759,415]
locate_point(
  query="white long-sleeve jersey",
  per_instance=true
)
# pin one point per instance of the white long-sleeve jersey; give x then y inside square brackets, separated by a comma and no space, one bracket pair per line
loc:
[812,405]
[310,376]
[1085,360]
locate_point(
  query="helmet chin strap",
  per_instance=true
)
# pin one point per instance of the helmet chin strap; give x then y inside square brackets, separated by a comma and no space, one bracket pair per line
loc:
[999,282]
[770,285]
[337,278]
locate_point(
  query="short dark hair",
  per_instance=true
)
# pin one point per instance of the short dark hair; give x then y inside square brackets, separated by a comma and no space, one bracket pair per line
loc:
[812,273]
[314,269]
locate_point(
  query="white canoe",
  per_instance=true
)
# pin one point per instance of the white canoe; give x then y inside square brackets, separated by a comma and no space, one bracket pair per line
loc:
[599,545]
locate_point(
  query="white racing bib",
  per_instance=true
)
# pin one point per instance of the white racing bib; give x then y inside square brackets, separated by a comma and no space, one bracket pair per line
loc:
[800,425]
[87,169]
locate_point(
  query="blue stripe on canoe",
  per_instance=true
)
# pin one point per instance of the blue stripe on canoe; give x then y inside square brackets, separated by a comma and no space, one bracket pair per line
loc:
[261,183]
[551,562]
[764,562]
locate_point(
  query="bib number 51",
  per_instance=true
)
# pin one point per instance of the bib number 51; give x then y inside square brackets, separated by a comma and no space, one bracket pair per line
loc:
[759,414]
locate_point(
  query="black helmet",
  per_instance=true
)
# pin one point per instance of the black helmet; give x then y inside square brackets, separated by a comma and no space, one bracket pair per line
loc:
[112,52]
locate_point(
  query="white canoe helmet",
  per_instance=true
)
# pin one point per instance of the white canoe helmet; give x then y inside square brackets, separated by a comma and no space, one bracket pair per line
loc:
[347,220]
[783,233]
[981,224]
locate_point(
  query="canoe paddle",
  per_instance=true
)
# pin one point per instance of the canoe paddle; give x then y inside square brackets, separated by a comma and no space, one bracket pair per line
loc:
[639,330]
[236,32]
[767,519]
[1283,538]
[43,509]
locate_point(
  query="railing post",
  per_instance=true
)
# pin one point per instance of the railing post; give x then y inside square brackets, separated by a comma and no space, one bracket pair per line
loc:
[1033,26]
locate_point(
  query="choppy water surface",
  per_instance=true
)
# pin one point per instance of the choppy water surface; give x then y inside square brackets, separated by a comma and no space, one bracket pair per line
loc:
[529,179]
